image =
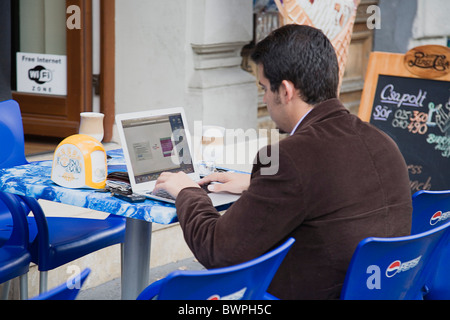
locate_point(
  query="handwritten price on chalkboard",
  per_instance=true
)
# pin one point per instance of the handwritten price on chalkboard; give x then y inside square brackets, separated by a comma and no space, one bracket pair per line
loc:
[401,119]
[418,122]
[414,121]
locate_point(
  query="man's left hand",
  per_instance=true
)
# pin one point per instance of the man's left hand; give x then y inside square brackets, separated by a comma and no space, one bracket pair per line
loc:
[173,183]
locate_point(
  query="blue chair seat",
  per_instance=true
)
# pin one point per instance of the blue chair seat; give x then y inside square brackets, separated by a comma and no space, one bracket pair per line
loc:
[69,237]
[72,238]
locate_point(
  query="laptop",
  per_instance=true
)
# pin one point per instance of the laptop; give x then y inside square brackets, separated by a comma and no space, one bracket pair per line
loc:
[157,141]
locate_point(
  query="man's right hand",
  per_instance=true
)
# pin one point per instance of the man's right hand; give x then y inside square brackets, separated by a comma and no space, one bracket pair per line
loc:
[231,182]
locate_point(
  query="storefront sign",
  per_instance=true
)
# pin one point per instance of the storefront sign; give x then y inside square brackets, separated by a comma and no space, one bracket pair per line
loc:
[42,73]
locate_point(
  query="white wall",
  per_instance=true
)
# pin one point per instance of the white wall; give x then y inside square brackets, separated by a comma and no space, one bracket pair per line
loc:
[431,24]
[406,24]
[186,53]
[150,50]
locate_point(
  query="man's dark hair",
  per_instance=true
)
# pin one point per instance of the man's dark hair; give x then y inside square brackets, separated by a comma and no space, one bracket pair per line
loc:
[302,55]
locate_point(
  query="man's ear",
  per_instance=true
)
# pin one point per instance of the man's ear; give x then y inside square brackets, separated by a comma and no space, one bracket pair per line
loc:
[287,91]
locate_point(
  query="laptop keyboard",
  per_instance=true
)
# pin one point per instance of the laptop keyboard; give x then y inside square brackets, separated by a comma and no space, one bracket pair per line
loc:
[162,194]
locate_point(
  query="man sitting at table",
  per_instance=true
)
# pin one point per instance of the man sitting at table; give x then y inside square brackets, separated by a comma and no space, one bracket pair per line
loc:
[339,180]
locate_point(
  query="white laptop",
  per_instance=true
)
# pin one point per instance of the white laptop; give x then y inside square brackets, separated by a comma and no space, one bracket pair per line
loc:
[157,141]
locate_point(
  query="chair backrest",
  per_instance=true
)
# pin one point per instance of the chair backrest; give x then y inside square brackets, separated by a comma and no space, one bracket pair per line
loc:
[246,281]
[12,151]
[68,290]
[393,268]
[430,209]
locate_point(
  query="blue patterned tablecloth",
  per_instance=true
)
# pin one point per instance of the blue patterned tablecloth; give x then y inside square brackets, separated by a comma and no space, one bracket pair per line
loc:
[33,180]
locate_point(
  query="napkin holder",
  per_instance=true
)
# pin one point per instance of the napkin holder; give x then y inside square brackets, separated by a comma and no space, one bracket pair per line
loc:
[79,161]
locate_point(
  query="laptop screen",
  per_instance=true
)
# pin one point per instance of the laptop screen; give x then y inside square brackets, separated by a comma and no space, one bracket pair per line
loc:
[157,144]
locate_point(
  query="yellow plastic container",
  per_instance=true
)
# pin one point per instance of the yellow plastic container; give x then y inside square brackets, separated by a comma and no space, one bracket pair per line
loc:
[79,161]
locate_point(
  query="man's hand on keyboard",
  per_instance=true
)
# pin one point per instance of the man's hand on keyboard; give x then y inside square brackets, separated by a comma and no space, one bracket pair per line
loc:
[227,182]
[173,183]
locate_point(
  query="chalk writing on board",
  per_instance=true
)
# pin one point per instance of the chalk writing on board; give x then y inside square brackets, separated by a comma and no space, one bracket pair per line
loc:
[418,122]
[401,119]
[415,183]
[442,144]
[441,118]
[389,95]
[381,113]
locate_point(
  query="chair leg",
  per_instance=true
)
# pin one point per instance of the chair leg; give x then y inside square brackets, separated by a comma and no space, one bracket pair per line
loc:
[43,280]
[24,287]
[5,290]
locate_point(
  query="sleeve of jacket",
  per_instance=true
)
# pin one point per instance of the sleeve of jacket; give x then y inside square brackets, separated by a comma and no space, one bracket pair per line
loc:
[264,216]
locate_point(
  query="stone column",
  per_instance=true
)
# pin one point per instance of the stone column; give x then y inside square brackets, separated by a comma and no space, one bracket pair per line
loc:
[219,91]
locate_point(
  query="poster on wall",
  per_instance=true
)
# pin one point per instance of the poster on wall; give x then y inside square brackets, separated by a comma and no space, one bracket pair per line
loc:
[42,73]
[335,18]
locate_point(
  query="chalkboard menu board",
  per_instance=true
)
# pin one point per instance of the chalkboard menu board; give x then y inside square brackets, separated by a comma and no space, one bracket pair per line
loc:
[415,112]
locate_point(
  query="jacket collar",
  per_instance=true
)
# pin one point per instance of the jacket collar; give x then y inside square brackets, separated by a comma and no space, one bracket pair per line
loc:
[326,109]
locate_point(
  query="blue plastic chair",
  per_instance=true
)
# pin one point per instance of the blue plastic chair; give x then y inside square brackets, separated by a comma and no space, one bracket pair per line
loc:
[12,152]
[393,268]
[61,240]
[54,241]
[14,255]
[246,281]
[431,209]
[68,290]
[5,223]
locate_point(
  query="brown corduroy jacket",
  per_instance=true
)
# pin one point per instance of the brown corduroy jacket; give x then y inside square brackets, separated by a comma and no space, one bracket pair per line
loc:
[339,181]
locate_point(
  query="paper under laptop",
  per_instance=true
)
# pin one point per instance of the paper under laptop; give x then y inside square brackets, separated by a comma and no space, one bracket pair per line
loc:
[157,141]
